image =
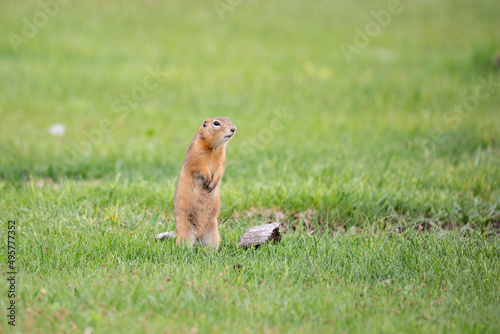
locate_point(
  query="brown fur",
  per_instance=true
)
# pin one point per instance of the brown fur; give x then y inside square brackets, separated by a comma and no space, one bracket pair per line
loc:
[197,196]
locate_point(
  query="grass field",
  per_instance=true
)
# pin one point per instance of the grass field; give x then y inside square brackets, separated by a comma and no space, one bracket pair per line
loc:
[389,151]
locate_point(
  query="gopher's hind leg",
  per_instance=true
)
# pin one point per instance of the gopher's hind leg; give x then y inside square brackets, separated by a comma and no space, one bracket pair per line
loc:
[185,241]
[211,236]
[186,234]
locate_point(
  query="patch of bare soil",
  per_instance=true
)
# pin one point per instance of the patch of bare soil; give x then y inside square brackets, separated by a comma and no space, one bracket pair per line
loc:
[309,221]
[492,227]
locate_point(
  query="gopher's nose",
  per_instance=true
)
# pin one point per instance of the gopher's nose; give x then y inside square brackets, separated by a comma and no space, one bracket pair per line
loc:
[233,129]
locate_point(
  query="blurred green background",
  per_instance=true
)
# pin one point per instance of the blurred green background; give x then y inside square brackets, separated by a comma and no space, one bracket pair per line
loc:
[382,133]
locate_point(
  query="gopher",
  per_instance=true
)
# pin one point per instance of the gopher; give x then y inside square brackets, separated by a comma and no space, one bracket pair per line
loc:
[197,195]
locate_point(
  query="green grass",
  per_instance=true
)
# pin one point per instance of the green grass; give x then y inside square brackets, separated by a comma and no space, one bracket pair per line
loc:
[124,281]
[373,146]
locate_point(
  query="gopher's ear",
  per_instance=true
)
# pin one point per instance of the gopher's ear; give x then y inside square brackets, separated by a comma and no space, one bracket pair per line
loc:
[205,124]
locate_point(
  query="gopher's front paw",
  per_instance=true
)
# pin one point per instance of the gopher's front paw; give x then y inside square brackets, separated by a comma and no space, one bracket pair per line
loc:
[211,187]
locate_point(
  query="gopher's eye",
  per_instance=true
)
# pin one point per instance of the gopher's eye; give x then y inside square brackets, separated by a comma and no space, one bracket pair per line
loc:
[216,123]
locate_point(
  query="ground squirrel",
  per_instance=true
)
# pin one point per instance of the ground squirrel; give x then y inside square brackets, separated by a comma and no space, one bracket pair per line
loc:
[197,196]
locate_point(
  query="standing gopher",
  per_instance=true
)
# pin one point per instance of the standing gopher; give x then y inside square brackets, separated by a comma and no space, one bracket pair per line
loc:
[197,196]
